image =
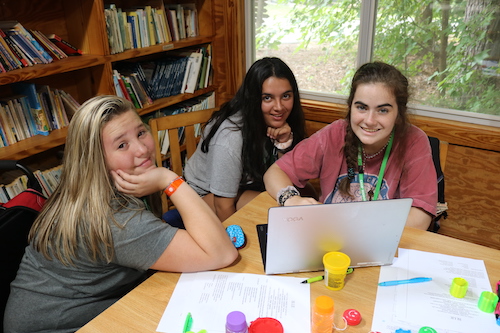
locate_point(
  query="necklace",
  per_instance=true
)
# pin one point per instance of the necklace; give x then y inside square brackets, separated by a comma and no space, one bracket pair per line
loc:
[369,157]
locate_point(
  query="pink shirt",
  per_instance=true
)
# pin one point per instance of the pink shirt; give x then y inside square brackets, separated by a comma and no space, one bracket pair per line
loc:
[321,156]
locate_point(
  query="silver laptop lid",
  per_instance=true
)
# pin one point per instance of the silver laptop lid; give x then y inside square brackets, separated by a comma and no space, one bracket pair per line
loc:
[368,232]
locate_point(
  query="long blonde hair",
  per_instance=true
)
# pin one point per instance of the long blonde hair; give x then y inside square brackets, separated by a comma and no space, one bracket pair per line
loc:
[79,212]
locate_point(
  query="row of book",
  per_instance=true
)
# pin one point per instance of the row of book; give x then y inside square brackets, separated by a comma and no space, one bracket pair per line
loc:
[149,25]
[21,47]
[48,179]
[34,110]
[181,72]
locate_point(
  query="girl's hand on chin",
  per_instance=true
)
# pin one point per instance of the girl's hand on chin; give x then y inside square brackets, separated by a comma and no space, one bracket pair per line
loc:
[280,134]
[139,185]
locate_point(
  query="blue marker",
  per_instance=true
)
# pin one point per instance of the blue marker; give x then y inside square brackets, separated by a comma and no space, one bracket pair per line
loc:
[396,282]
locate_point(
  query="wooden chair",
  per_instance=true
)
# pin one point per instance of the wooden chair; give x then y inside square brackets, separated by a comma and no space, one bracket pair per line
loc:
[172,124]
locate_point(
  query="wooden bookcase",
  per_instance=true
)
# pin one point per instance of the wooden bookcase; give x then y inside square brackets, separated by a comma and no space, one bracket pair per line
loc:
[82,23]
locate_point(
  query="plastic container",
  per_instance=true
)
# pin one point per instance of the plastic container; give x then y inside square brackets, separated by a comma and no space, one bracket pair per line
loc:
[487,301]
[236,322]
[322,315]
[265,325]
[336,265]
[459,287]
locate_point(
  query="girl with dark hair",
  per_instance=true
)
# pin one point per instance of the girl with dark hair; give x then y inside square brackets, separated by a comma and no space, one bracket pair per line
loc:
[372,154]
[247,135]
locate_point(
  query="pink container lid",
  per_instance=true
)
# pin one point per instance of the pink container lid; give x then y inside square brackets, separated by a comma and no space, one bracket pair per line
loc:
[265,325]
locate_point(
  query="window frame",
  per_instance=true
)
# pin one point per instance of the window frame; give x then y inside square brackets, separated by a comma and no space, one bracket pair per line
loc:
[365,51]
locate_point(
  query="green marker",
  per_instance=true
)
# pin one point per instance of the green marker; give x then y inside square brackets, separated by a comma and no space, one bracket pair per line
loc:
[188,323]
[314,279]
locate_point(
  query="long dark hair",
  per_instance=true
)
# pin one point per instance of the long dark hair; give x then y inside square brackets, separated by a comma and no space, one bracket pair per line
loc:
[392,78]
[248,100]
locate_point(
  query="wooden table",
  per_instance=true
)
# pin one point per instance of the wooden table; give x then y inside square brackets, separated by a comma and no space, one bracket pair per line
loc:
[142,308]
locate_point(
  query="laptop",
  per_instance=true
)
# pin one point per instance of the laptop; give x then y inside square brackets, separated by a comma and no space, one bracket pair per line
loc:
[296,237]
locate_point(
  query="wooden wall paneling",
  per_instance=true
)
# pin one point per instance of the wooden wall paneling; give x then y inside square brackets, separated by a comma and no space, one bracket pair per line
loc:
[205,23]
[101,82]
[88,31]
[228,47]
[473,195]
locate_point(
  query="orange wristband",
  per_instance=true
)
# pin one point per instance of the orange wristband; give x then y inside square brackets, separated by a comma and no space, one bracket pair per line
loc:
[173,186]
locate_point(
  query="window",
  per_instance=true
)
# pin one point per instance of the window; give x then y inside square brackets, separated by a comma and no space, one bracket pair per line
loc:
[449,49]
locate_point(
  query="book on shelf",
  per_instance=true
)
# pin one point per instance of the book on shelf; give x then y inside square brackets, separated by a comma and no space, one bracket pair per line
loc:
[132,92]
[178,18]
[196,59]
[8,54]
[113,29]
[7,125]
[34,110]
[14,126]
[18,104]
[26,41]
[4,66]
[39,117]
[191,19]
[16,50]
[65,46]
[70,104]
[24,46]
[55,105]
[162,24]
[172,23]
[137,27]
[49,179]
[152,31]
[9,191]
[52,49]
[143,27]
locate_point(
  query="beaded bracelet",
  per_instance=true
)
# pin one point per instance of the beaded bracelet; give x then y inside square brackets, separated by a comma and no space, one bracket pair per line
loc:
[284,146]
[286,193]
[173,186]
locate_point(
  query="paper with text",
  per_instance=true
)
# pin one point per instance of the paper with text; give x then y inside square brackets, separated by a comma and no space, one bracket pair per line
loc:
[210,296]
[412,306]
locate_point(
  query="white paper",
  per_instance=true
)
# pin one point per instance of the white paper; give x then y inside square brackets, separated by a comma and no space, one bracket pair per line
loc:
[210,296]
[412,306]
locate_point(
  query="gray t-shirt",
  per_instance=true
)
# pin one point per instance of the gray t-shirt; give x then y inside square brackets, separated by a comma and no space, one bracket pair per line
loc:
[220,170]
[47,296]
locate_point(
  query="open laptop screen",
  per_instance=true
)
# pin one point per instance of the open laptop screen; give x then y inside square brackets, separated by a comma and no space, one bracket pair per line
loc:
[298,236]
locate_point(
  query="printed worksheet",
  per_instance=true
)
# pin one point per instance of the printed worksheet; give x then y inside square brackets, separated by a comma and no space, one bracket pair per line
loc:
[210,296]
[415,305]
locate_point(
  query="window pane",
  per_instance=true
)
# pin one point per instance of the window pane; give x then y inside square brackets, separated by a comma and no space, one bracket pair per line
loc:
[317,39]
[448,49]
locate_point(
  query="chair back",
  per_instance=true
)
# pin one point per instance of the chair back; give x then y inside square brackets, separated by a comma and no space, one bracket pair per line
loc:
[182,132]
[439,153]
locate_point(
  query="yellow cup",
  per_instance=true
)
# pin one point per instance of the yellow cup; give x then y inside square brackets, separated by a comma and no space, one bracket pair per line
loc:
[336,264]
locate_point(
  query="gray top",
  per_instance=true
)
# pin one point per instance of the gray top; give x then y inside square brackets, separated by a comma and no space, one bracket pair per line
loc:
[220,170]
[47,296]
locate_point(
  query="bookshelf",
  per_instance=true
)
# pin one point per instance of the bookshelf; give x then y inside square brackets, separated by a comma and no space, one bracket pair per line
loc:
[82,23]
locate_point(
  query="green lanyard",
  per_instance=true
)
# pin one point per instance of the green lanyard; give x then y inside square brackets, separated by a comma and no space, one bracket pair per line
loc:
[380,174]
